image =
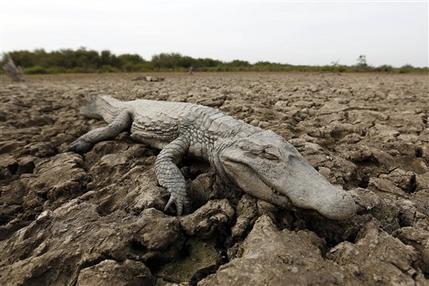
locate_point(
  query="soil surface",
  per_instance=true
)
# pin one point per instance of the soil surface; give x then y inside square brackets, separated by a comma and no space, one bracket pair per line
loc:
[97,218]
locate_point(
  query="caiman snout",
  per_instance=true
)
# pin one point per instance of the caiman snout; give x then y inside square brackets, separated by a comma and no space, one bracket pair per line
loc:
[308,189]
[338,206]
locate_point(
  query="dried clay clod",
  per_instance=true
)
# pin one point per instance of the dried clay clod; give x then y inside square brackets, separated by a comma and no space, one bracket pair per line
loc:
[148,78]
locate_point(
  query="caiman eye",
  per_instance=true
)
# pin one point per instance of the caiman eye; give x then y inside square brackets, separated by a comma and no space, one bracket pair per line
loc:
[261,151]
[269,156]
[252,150]
[270,153]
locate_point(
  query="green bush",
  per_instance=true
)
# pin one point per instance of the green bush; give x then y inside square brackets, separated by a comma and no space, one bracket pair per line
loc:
[54,70]
[406,69]
[384,68]
[36,70]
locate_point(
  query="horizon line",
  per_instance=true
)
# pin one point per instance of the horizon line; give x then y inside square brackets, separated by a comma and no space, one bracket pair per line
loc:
[337,62]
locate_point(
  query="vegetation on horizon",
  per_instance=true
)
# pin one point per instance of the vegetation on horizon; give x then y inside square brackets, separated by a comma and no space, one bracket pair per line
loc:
[89,61]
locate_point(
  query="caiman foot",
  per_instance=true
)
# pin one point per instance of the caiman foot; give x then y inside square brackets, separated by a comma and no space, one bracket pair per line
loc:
[80,146]
[182,203]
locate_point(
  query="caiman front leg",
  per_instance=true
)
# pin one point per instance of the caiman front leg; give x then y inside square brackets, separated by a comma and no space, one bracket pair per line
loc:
[85,142]
[169,175]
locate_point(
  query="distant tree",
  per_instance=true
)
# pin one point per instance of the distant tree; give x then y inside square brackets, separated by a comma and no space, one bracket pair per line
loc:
[384,68]
[239,63]
[108,59]
[335,63]
[131,59]
[131,62]
[406,68]
[361,61]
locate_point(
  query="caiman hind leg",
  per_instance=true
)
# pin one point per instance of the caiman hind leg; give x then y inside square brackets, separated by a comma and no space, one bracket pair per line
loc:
[169,175]
[85,142]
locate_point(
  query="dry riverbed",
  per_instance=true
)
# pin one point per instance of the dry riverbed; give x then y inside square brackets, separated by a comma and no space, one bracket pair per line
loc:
[97,219]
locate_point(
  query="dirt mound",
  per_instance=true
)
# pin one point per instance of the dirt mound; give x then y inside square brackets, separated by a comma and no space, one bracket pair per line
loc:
[98,219]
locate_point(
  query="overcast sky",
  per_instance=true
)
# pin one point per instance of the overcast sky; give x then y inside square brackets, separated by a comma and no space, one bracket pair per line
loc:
[280,31]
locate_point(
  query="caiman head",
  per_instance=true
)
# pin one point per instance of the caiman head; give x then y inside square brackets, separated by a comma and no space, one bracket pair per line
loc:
[265,166]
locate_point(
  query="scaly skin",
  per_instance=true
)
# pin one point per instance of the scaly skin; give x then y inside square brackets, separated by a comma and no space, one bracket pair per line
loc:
[259,162]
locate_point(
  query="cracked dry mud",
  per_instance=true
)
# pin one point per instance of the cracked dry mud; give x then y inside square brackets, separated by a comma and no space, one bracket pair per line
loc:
[97,219]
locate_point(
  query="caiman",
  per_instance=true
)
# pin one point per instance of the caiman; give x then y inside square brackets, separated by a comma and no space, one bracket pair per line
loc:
[259,162]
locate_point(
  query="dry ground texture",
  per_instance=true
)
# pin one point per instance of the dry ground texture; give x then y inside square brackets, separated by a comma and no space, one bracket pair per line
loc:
[97,219]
